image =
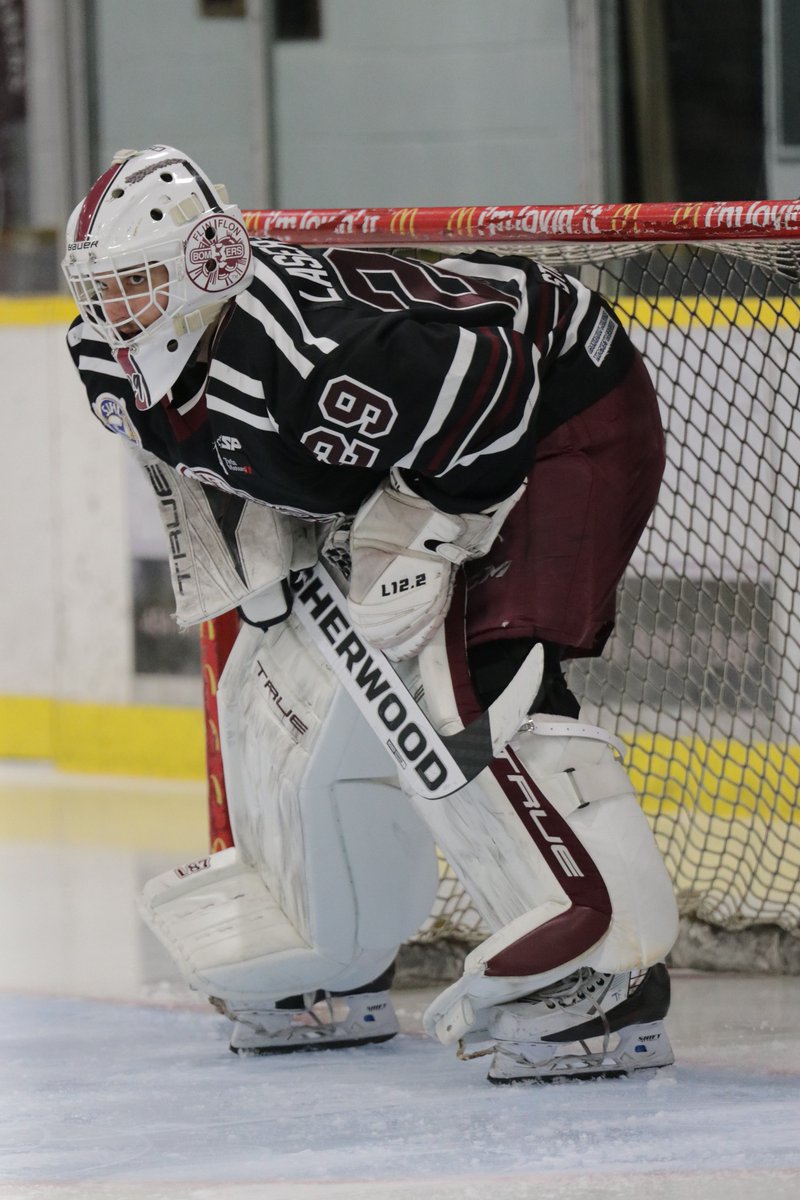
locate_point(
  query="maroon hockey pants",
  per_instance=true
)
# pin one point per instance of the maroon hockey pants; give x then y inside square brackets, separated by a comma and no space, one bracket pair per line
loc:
[552,574]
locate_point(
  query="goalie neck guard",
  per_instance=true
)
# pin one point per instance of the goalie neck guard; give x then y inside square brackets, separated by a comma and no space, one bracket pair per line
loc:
[153,253]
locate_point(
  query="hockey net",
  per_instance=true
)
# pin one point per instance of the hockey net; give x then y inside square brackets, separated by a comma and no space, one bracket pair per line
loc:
[701,675]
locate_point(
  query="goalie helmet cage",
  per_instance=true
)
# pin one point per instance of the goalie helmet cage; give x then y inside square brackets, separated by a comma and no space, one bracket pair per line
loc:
[701,675]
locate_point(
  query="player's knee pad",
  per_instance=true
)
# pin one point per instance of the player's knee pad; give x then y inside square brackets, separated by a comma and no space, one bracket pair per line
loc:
[557,856]
[316,813]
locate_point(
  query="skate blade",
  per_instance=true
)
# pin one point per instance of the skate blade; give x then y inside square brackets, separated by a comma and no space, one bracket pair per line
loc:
[639,1050]
[301,1047]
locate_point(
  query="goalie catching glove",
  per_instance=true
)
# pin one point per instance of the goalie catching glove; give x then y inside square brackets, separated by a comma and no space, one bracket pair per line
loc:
[404,553]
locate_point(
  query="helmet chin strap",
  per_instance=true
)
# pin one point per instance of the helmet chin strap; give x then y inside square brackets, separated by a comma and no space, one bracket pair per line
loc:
[201,318]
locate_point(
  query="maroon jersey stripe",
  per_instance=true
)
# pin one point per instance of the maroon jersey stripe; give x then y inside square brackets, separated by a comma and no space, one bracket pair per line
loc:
[183,425]
[472,409]
[506,409]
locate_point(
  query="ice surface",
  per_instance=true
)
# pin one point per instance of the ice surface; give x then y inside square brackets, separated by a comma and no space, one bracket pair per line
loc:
[114,1099]
[117,1083]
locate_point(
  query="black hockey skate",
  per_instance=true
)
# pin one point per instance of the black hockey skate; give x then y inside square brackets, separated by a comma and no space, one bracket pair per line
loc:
[587,1026]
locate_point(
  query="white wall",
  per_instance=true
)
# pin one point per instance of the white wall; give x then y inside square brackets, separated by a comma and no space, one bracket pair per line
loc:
[65,629]
[428,102]
[417,102]
[167,74]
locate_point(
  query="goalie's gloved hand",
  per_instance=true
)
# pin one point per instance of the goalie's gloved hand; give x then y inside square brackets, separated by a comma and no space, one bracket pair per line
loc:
[404,554]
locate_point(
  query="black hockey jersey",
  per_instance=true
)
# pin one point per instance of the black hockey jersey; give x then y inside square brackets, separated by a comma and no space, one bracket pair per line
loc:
[336,365]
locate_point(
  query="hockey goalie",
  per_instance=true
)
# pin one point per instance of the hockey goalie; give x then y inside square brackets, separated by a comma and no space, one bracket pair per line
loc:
[471,449]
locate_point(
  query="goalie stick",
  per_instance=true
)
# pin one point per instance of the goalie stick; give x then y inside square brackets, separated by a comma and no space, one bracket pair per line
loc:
[433,764]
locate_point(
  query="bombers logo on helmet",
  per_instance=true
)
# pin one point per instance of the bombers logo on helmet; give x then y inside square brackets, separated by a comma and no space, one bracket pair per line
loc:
[217,253]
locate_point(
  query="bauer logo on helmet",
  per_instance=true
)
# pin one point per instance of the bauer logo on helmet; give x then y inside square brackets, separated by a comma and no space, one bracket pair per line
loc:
[217,253]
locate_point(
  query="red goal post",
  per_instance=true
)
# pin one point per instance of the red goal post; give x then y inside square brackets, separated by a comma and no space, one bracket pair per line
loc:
[584,224]
[702,675]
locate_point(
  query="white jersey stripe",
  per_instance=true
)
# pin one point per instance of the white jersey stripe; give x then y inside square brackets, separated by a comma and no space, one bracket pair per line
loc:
[503,443]
[279,289]
[237,379]
[248,303]
[584,299]
[462,266]
[514,435]
[456,459]
[448,392]
[101,366]
[240,414]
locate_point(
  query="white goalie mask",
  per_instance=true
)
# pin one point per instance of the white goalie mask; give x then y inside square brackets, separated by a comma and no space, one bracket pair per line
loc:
[154,252]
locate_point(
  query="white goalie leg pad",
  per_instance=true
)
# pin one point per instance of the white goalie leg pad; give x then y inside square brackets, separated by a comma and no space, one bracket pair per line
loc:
[316,811]
[219,922]
[558,857]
